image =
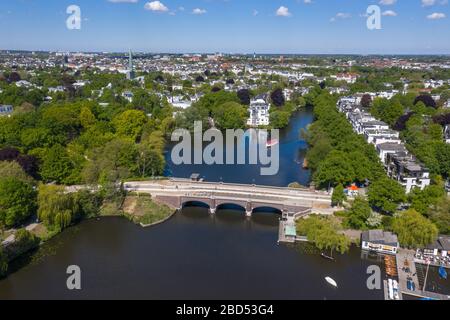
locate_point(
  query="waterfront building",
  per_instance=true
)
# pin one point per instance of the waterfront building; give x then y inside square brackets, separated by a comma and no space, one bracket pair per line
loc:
[407,171]
[399,164]
[259,111]
[379,241]
[437,253]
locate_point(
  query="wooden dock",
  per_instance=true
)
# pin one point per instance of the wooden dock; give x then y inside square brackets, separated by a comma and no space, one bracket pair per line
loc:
[405,258]
[282,233]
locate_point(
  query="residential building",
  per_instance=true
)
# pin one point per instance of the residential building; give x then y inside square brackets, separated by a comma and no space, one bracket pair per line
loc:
[407,171]
[447,104]
[128,95]
[5,110]
[390,148]
[259,111]
[447,133]
[380,242]
[440,248]
[399,164]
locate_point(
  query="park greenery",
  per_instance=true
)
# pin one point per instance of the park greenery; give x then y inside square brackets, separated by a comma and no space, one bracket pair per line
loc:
[145,211]
[323,232]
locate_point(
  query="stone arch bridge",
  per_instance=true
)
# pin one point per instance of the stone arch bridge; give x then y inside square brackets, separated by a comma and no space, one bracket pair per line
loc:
[293,203]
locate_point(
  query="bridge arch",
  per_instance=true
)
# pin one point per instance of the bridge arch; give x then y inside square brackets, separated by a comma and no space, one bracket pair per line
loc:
[195,203]
[232,205]
[264,209]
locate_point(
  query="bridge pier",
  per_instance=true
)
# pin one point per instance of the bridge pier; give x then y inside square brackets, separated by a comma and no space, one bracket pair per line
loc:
[212,210]
[248,214]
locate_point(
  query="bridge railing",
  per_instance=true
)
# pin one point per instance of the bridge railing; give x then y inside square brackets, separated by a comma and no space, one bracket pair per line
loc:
[247,185]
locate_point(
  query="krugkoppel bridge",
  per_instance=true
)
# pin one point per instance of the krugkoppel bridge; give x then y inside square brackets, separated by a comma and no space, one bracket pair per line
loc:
[293,203]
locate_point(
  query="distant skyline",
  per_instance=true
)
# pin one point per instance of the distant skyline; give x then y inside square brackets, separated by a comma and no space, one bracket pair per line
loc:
[228,26]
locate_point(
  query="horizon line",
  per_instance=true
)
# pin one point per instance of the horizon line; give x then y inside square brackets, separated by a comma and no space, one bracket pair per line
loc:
[224,53]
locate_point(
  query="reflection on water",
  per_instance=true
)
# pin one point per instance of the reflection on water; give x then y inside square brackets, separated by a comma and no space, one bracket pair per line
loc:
[195,255]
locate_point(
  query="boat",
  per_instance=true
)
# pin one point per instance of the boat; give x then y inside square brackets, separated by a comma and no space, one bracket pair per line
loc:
[305,164]
[331,281]
[272,143]
[391,289]
[327,257]
[395,284]
[409,285]
[443,273]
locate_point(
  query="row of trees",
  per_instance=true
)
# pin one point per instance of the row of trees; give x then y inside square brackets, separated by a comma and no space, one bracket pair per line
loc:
[323,232]
[21,197]
[339,157]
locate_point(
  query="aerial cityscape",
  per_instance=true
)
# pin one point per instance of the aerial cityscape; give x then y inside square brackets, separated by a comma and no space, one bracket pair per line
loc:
[225,150]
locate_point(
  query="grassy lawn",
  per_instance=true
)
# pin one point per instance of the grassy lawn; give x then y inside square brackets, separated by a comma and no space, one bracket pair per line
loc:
[142,209]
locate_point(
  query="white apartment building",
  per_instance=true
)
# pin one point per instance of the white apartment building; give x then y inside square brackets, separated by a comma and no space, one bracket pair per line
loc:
[259,112]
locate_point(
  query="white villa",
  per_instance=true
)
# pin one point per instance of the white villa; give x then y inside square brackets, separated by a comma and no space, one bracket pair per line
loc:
[259,112]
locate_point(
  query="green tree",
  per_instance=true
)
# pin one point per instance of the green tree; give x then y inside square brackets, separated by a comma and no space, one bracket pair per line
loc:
[279,119]
[130,124]
[358,214]
[334,169]
[56,165]
[231,115]
[13,170]
[414,230]
[115,161]
[323,232]
[338,196]
[386,195]
[422,200]
[17,201]
[439,213]
[318,151]
[56,207]
[87,118]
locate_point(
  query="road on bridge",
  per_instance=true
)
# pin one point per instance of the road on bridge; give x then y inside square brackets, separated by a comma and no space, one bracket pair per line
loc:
[320,202]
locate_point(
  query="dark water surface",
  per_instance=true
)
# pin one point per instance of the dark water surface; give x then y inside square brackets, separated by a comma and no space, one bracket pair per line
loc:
[292,153]
[193,256]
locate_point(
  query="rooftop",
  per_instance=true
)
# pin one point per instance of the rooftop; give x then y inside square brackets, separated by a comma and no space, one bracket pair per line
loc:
[379,237]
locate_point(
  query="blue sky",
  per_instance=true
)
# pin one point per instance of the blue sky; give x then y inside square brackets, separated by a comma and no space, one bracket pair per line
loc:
[232,26]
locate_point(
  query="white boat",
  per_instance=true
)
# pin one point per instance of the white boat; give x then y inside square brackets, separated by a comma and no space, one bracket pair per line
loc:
[395,285]
[331,281]
[391,289]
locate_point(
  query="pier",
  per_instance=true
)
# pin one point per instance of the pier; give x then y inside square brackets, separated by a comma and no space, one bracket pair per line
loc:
[405,259]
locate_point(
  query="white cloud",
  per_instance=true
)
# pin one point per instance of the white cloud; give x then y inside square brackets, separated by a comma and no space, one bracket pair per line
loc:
[389,13]
[388,2]
[156,6]
[198,11]
[341,15]
[428,3]
[436,16]
[283,12]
